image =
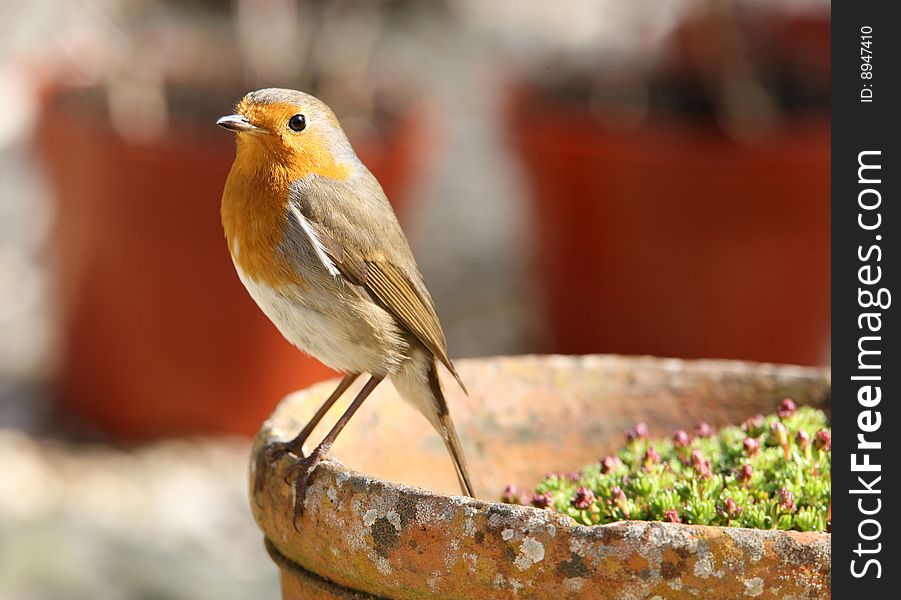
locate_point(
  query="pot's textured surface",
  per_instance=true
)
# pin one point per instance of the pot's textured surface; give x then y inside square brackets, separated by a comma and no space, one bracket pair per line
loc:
[526,416]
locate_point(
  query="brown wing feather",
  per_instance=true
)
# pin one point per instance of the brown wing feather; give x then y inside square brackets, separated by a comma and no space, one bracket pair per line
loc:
[413,308]
[408,302]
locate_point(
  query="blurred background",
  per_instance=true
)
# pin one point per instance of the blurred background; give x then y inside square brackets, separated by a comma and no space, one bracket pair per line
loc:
[628,177]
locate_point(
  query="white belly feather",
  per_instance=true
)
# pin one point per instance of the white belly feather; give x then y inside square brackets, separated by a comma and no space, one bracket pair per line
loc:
[340,339]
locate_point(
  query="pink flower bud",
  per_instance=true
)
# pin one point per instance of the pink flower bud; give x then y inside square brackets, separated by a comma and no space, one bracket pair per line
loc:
[510,495]
[610,464]
[786,500]
[671,516]
[700,464]
[542,500]
[751,446]
[651,456]
[703,430]
[787,408]
[730,510]
[822,441]
[617,495]
[639,432]
[681,439]
[583,498]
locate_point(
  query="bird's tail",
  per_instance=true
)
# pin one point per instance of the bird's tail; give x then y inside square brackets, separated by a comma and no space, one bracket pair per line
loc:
[449,434]
[417,382]
[456,451]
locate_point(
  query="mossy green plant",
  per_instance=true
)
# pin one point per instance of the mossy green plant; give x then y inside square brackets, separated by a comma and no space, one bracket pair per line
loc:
[772,472]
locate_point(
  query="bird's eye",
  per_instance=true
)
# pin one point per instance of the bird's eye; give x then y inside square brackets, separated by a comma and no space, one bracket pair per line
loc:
[297,122]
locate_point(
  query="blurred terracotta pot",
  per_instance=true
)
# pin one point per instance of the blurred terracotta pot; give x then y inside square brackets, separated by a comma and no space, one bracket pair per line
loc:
[670,238]
[364,536]
[160,338]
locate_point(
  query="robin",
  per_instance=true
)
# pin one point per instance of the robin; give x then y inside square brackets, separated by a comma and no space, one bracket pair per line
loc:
[318,247]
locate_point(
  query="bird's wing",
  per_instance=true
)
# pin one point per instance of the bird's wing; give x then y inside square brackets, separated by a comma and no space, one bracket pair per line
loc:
[401,291]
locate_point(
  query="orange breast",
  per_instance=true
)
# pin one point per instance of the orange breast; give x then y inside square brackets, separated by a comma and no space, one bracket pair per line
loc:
[254,209]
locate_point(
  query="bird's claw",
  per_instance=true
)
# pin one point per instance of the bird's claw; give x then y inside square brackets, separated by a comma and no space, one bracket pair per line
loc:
[268,455]
[299,474]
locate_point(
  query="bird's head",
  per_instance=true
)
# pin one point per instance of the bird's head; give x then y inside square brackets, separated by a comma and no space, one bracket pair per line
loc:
[290,130]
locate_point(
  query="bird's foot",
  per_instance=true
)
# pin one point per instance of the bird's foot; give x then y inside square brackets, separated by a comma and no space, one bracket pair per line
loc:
[270,454]
[299,474]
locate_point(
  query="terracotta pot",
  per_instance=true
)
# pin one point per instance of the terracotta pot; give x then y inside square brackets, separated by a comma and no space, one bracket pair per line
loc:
[364,534]
[669,238]
[159,337]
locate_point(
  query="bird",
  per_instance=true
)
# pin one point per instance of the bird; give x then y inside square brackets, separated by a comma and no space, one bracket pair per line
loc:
[315,242]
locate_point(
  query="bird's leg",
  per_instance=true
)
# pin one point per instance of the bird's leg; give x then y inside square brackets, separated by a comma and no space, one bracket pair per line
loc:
[303,468]
[295,446]
[275,450]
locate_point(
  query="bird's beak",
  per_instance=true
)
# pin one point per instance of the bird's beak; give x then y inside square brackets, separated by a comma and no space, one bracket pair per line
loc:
[237,123]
